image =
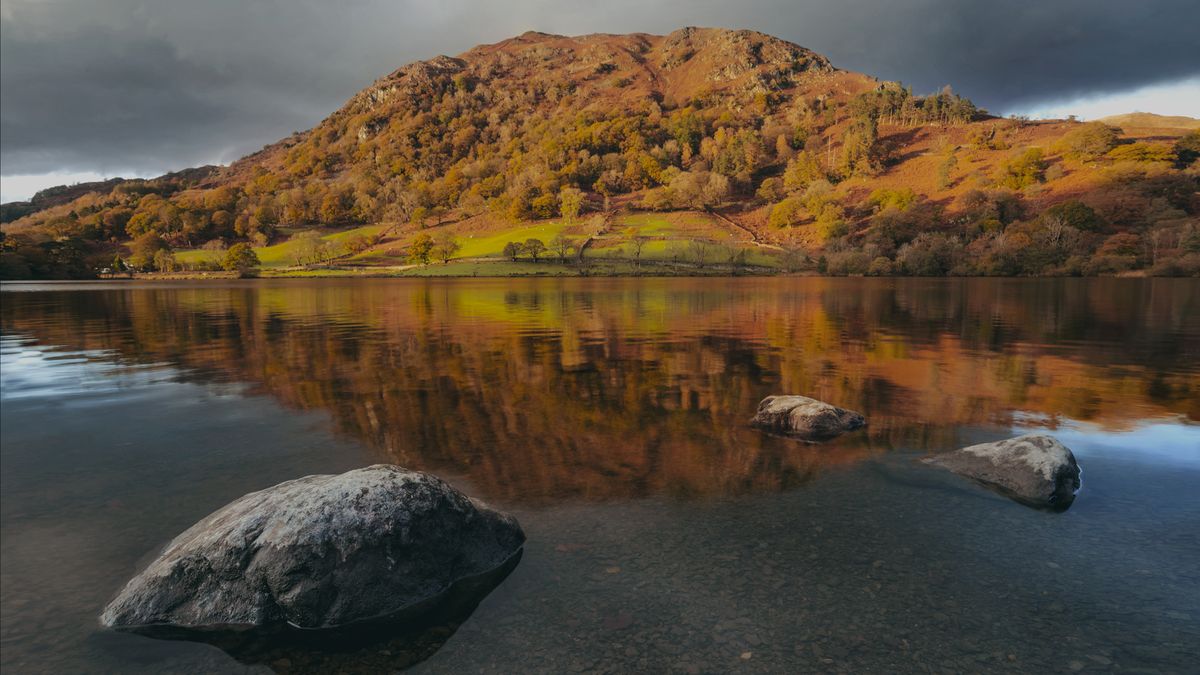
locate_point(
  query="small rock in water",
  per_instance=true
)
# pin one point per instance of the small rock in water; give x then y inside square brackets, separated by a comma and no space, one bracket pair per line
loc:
[320,552]
[805,418]
[1035,469]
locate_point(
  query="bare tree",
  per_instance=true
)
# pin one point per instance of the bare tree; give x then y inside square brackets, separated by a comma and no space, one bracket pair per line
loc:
[697,253]
[794,258]
[562,246]
[736,257]
[639,243]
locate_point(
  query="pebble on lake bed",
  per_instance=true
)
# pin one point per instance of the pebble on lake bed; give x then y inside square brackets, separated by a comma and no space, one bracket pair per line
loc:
[1035,469]
[805,418]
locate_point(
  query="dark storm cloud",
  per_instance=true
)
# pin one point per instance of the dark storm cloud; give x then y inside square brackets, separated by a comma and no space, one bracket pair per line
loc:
[147,86]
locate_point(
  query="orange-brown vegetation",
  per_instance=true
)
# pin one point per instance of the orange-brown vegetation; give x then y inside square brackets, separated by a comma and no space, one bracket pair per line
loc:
[540,389]
[796,152]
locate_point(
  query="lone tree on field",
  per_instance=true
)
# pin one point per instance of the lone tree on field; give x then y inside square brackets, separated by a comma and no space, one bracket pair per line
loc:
[445,245]
[697,252]
[421,248]
[512,251]
[240,258]
[637,242]
[534,247]
[562,246]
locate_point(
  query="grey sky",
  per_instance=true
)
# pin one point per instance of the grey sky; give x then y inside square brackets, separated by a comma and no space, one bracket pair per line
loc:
[145,86]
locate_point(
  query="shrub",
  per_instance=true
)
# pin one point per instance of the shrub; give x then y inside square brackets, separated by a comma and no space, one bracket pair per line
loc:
[1187,148]
[848,262]
[770,190]
[1109,264]
[929,255]
[1187,265]
[1142,152]
[1088,142]
[1075,214]
[1123,244]
[786,213]
[881,266]
[1024,170]
[899,199]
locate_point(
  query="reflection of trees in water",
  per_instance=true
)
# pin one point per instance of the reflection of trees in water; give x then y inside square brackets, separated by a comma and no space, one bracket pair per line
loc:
[538,390]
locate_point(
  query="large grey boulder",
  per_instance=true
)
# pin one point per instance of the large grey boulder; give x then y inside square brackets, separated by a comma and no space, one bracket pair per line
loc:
[1035,469]
[805,418]
[320,552]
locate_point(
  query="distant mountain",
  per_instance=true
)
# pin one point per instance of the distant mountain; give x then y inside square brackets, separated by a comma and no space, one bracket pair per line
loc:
[771,148]
[1142,120]
[54,196]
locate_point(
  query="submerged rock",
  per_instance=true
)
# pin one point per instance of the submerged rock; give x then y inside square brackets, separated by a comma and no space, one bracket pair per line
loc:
[805,417]
[1035,469]
[320,552]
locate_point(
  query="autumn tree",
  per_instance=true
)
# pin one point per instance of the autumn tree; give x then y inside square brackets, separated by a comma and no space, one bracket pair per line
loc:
[802,171]
[543,206]
[570,201]
[164,261]
[240,258]
[335,208]
[143,249]
[421,249]
[770,190]
[698,190]
[858,146]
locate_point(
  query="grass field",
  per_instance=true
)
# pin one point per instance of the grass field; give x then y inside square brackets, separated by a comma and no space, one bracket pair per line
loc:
[284,253]
[493,244]
[666,251]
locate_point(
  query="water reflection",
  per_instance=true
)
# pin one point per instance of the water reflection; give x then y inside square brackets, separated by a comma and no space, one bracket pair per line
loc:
[611,417]
[542,390]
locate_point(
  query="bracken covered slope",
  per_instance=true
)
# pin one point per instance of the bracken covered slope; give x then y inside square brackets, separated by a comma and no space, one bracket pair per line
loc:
[758,154]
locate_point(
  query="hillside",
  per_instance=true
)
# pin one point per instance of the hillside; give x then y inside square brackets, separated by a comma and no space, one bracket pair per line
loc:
[1142,120]
[705,150]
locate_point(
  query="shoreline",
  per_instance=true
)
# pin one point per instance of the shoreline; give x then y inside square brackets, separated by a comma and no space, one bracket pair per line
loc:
[230,276]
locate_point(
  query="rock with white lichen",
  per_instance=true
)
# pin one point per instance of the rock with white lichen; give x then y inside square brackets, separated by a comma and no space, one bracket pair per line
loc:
[320,552]
[1035,469]
[805,418]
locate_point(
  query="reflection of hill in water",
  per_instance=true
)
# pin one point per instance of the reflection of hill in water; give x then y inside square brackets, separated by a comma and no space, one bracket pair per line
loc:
[544,389]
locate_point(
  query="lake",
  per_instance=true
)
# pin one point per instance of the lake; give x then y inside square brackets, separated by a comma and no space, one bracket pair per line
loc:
[610,416]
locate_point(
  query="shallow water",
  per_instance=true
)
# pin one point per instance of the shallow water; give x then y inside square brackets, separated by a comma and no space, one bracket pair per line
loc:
[610,417]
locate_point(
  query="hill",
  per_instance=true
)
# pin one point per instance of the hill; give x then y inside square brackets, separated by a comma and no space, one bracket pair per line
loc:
[705,150]
[1142,120]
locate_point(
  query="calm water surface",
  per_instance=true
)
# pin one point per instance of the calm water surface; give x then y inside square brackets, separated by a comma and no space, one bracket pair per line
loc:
[610,417]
